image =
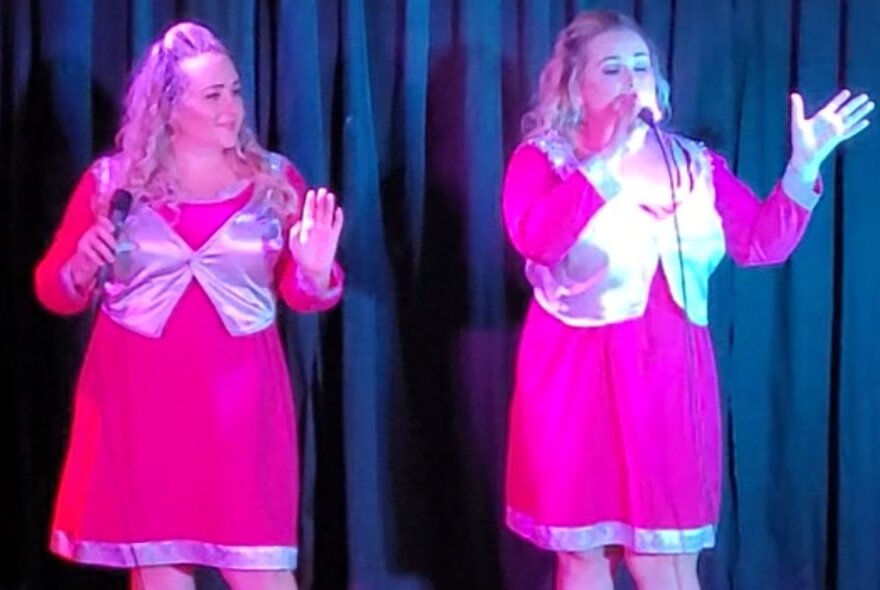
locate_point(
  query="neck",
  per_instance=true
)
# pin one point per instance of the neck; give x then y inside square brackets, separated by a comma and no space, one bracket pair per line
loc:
[195,160]
[593,135]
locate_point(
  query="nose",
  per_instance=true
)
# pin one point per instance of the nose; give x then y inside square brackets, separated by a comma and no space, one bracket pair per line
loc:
[227,102]
[628,78]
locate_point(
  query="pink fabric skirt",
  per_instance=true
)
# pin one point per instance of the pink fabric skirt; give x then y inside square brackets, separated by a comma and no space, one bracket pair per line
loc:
[614,436]
[183,448]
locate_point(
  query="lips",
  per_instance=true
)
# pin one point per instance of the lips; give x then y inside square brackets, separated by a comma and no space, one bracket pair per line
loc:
[227,130]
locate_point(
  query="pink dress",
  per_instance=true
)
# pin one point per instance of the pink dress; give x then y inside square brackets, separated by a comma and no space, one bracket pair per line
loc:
[610,442]
[184,447]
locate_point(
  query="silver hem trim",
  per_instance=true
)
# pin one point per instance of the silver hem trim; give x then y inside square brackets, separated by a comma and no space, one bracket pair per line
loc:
[178,551]
[585,538]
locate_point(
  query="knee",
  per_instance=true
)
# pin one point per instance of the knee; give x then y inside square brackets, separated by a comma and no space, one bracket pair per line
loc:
[164,577]
[259,580]
[661,571]
[597,561]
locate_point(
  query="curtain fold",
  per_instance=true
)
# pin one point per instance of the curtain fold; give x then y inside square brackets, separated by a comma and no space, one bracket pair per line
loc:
[409,110]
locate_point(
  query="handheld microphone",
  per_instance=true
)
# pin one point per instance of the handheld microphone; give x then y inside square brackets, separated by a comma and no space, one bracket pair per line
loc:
[120,205]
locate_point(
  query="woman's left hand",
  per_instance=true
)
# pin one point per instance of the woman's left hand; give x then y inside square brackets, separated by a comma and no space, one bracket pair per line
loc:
[314,238]
[814,138]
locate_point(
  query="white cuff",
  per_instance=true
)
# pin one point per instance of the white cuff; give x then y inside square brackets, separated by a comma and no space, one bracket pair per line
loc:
[308,286]
[799,189]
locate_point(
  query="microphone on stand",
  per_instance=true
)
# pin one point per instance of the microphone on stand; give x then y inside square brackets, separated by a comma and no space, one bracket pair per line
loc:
[647,117]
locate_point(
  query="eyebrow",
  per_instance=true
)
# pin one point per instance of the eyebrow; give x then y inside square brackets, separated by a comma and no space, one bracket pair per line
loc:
[617,57]
[236,82]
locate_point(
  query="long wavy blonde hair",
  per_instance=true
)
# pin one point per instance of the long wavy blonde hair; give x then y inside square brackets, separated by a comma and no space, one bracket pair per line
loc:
[144,162]
[558,106]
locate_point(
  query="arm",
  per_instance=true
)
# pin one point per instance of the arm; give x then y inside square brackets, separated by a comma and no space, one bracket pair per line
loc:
[767,233]
[299,290]
[544,214]
[54,284]
[762,233]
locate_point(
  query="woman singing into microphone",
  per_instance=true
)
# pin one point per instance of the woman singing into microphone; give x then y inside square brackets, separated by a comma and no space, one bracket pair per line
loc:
[183,450]
[614,442]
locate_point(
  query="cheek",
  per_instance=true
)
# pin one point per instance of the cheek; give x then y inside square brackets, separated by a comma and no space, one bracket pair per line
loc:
[197,119]
[647,82]
[597,94]
[183,111]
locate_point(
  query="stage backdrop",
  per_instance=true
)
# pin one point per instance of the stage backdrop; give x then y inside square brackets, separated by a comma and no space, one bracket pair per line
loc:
[409,109]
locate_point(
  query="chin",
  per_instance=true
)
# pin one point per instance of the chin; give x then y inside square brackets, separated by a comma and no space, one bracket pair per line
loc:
[226,136]
[227,142]
[656,111]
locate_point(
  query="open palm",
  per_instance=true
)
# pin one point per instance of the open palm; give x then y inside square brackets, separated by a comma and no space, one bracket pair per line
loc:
[314,238]
[814,138]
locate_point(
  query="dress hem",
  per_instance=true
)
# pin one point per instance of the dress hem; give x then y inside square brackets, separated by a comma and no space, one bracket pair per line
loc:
[175,551]
[600,534]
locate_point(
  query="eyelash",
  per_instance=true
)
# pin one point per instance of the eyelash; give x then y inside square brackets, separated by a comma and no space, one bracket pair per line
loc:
[613,71]
[216,95]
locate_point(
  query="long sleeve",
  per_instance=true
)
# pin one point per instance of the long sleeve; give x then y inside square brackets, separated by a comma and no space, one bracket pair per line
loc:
[544,214]
[762,232]
[52,281]
[295,288]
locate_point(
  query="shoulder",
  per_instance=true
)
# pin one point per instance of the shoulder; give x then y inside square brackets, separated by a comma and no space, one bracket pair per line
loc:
[280,166]
[105,172]
[276,163]
[548,149]
[691,145]
[699,154]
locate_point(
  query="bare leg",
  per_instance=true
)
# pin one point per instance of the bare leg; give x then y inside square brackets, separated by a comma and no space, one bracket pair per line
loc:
[163,578]
[664,572]
[587,570]
[259,580]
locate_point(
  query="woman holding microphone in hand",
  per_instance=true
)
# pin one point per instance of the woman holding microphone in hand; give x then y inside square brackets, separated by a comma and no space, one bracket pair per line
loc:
[183,450]
[614,443]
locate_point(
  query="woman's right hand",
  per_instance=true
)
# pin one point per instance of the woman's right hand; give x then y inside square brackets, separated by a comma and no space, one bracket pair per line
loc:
[96,247]
[623,113]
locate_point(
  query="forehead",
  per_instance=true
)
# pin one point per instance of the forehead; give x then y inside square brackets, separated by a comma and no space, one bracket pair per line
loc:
[622,43]
[209,68]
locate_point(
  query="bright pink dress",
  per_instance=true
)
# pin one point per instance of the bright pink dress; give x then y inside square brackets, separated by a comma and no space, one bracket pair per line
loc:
[184,447]
[610,443]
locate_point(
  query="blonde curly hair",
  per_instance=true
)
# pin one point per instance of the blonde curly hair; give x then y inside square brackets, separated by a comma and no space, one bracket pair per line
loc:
[143,162]
[558,106]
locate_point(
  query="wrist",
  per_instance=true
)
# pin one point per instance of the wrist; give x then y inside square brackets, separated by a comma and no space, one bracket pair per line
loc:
[805,170]
[318,277]
[77,278]
[82,271]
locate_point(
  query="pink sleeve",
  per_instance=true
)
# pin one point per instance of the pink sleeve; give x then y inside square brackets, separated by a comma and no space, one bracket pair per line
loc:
[544,214]
[297,291]
[52,282]
[762,232]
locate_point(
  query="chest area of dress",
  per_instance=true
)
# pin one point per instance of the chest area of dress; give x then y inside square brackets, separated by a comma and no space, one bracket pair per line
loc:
[647,220]
[237,233]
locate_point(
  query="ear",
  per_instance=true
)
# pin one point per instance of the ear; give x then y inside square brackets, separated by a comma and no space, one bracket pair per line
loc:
[172,115]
